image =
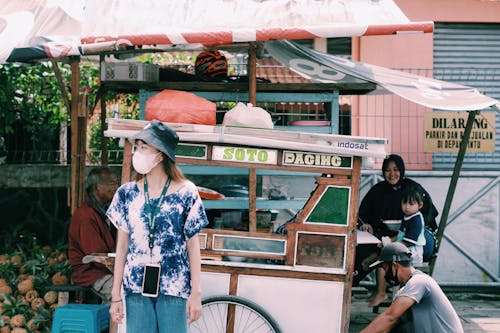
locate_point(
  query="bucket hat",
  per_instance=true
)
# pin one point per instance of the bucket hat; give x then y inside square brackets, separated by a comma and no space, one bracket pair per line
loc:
[393,252]
[159,136]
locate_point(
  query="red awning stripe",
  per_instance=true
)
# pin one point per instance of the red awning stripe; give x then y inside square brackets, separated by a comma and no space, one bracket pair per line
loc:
[228,37]
[390,29]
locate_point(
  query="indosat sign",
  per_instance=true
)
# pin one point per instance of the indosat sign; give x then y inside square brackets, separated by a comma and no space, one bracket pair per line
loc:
[444,132]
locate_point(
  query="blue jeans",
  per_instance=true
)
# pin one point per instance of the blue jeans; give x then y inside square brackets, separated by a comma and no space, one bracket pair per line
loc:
[164,314]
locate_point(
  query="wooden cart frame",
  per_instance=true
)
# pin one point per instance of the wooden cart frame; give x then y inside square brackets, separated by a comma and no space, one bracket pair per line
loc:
[302,279]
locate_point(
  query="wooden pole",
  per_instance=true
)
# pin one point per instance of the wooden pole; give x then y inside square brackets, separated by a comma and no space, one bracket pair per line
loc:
[63,133]
[252,73]
[82,146]
[252,97]
[61,84]
[252,200]
[104,127]
[75,161]
[453,184]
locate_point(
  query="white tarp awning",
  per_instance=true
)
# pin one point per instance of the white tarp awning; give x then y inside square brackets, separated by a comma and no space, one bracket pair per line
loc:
[326,68]
[37,29]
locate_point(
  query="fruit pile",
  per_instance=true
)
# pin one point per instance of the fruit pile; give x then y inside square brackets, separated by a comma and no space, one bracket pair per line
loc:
[26,302]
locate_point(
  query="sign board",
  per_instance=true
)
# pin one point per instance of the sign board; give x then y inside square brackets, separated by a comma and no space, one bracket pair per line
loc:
[316,159]
[245,155]
[444,131]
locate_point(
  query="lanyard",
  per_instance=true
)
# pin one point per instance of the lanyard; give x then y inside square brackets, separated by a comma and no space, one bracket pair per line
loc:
[153,212]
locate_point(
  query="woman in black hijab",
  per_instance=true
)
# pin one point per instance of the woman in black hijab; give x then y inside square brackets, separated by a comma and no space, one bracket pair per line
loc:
[382,203]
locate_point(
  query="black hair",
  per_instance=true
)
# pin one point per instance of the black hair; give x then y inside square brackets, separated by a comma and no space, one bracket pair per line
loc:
[96,176]
[171,169]
[412,193]
[398,160]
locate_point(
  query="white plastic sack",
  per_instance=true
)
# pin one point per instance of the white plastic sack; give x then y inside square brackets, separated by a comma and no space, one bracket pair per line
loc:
[248,116]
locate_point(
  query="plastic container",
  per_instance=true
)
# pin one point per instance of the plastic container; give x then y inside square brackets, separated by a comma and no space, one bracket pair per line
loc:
[84,318]
[234,190]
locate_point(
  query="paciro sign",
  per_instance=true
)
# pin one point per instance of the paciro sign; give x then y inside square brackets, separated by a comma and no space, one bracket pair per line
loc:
[444,132]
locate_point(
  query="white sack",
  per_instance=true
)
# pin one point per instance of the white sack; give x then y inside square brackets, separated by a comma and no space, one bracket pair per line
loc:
[248,116]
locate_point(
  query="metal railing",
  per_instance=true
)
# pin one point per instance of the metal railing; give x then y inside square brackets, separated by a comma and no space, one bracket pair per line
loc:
[60,157]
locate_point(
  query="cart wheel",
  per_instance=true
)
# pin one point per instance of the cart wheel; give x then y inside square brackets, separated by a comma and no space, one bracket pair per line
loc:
[233,314]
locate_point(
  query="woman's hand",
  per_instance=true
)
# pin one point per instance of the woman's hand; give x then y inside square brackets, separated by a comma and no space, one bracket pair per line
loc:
[366,227]
[193,308]
[116,311]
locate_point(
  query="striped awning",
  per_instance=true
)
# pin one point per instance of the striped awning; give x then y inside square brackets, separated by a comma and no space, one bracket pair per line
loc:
[33,29]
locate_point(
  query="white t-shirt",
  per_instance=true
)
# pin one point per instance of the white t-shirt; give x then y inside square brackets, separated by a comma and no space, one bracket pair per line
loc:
[432,312]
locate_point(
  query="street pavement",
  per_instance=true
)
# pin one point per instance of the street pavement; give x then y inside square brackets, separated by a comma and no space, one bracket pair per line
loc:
[479,312]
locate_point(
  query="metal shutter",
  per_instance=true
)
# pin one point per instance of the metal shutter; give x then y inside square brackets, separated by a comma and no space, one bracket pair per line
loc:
[469,54]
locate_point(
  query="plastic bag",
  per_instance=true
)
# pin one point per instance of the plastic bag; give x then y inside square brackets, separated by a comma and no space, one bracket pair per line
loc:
[175,106]
[249,116]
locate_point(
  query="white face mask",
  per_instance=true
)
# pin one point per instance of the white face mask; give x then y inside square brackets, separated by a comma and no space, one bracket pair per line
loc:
[144,163]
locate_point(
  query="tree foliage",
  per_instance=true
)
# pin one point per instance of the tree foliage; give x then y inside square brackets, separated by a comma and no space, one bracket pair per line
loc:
[31,106]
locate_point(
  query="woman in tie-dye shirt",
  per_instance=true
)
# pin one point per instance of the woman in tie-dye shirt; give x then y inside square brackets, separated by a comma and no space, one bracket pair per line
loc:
[158,218]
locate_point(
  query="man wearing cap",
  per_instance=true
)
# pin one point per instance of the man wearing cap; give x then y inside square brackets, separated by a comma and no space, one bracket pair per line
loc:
[430,309]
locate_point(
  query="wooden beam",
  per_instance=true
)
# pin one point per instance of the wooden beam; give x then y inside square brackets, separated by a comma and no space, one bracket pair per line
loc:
[61,84]
[127,163]
[453,184]
[351,242]
[75,169]
[252,73]
[104,127]
[348,88]
[252,200]
[82,146]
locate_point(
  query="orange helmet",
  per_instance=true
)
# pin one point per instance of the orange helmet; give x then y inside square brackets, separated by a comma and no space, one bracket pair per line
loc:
[210,64]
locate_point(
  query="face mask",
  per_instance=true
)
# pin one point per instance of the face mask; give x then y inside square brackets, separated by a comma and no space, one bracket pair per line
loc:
[391,279]
[144,163]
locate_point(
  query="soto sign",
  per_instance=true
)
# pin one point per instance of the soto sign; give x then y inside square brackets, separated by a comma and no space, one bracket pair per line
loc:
[444,132]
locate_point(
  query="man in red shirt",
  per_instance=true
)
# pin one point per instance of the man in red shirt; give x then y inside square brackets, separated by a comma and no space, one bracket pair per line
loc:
[91,232]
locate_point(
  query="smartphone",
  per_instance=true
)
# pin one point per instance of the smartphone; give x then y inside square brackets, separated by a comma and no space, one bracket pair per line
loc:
[151,280]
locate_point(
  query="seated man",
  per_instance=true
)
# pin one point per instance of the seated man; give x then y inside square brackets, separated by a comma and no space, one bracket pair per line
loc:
[90,232]
[420,298]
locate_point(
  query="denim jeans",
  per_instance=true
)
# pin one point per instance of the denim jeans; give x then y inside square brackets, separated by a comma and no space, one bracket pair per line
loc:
[164,314]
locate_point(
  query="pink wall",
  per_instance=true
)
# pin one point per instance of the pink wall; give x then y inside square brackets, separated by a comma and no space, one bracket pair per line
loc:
[392,117]
[451,10]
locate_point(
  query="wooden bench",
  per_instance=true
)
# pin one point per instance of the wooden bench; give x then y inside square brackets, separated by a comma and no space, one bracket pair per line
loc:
[67,293]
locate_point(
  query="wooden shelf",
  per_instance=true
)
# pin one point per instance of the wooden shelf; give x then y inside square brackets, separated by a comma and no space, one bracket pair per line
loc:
[342,88]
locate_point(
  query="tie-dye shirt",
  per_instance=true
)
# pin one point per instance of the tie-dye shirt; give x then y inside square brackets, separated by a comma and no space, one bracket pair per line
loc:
[180,217]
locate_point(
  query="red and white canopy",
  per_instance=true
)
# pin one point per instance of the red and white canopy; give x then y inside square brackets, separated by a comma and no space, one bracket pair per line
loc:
[37,29]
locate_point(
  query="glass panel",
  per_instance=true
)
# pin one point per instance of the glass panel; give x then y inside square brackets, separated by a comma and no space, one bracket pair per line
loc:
[249,244]
[320,250]
[333,206]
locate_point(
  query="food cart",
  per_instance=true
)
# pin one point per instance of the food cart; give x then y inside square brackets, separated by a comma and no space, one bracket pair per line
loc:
[256,280]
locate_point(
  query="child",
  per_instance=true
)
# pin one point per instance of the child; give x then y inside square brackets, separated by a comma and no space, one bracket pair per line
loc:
[411,232]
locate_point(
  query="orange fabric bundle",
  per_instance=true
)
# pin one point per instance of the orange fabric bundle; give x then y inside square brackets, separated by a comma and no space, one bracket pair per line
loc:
[176,106]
